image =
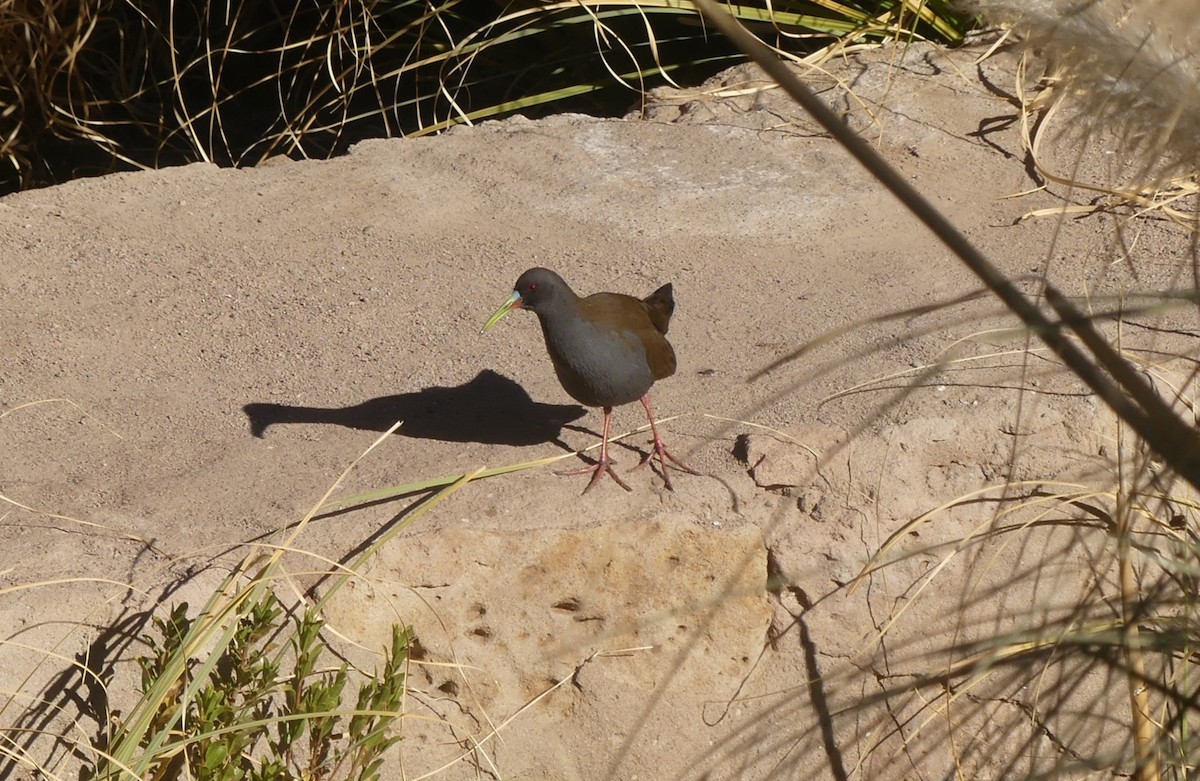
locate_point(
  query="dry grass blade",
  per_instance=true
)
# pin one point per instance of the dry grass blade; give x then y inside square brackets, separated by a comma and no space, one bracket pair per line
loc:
[883,556]
[391,533]
[383,494]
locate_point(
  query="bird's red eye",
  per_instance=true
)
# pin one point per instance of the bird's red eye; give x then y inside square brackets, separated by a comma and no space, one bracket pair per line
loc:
[533,286]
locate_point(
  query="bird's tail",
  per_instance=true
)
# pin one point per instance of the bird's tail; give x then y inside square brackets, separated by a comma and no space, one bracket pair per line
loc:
[660,305]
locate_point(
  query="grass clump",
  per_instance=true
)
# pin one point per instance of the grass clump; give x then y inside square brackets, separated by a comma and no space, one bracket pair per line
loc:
[96,85]
[243,689]
[246,718]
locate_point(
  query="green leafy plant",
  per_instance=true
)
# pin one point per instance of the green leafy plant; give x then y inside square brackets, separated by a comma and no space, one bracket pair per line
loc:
[247,719]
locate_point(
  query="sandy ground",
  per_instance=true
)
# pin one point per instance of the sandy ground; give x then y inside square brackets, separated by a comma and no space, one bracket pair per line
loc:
[619,635]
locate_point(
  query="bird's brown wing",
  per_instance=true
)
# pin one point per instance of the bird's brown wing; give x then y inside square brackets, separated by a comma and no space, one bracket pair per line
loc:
[640,320]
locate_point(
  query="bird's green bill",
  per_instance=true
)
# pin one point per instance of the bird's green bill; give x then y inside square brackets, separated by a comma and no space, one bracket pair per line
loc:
[512,302]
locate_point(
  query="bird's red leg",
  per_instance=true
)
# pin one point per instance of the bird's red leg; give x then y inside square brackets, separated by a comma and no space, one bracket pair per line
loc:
[604,464]
[660,450]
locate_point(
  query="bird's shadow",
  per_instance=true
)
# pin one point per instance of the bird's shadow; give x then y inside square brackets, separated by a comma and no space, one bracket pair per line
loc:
[491,409]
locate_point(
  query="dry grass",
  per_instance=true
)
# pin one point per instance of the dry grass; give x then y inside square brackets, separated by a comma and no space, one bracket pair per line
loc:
[1124,618]
[90,86]
[1130,67]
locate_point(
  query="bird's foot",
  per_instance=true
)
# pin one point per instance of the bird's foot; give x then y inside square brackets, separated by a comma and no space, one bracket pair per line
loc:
[663,456]
[603,466]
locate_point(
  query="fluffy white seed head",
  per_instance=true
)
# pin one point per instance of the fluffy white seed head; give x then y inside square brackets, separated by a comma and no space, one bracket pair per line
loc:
[1132,67]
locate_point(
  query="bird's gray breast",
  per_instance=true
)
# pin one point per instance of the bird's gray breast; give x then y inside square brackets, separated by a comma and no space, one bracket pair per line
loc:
[599,367]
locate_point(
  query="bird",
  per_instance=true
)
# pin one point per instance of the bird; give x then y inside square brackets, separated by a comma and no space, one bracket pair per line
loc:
[607,350]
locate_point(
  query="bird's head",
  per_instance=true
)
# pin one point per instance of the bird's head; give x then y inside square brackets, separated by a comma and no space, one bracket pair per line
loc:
[536,290]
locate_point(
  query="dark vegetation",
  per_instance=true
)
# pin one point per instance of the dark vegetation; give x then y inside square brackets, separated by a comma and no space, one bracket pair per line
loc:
[93,86]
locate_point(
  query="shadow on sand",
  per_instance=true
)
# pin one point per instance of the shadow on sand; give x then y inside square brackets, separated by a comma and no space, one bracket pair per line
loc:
[491,409]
